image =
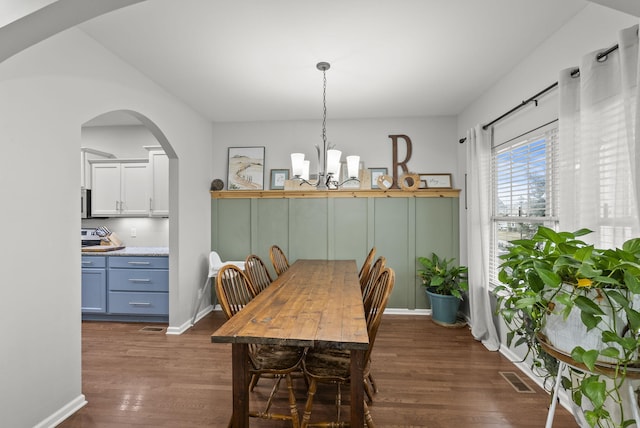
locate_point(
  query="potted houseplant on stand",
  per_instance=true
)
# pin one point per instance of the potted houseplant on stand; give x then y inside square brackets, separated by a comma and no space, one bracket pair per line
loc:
[557,290]
[444,282]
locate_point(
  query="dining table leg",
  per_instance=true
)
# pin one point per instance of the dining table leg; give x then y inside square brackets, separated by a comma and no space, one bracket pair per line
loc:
[357,388]
[240,385]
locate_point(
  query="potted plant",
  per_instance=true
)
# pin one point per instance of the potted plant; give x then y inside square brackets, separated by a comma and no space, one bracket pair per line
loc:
[444,281]
[558,289]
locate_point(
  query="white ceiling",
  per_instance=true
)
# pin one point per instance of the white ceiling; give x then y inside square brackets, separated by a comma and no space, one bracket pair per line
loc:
[249,60]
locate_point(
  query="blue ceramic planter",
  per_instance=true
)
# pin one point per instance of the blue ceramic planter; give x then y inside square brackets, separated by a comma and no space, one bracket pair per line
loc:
[444,309]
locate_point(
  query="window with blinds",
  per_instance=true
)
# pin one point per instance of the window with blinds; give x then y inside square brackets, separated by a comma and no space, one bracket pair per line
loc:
[523,183]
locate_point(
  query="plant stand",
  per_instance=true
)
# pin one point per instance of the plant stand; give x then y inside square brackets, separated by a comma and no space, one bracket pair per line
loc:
[566,362]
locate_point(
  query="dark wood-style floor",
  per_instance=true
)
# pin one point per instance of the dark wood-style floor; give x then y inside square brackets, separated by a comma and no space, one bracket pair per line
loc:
[428,376]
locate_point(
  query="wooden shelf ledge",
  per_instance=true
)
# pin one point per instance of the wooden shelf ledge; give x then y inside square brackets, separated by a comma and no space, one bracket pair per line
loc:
[284,194]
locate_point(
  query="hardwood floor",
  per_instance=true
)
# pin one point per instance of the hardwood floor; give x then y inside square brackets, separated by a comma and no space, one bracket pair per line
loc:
[428,376]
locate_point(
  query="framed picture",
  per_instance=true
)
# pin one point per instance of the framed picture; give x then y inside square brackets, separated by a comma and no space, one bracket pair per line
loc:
[246,168]
[436,181]
[375,173]
[278,177]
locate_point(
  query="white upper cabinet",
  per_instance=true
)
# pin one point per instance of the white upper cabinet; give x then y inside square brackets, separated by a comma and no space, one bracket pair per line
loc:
[120,188]
[87,154]
[158,184]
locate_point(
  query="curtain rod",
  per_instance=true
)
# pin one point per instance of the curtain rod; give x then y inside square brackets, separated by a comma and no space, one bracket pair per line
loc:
[601,56]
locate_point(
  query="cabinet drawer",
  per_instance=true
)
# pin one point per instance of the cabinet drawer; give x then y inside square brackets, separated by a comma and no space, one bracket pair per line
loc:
[138,280]
[138,303]
[94,261]
[142,262]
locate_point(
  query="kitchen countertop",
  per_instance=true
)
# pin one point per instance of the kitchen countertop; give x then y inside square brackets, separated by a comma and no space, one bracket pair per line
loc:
[132,251]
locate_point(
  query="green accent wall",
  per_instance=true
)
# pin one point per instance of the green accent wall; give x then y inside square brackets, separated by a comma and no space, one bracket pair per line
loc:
[400,228]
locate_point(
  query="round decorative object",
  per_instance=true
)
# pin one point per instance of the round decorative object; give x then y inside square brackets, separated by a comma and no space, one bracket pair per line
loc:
[217,184]
[384,181]
[415,181]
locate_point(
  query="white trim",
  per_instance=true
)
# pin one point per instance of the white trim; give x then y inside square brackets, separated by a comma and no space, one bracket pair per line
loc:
[401,311]
[63,413]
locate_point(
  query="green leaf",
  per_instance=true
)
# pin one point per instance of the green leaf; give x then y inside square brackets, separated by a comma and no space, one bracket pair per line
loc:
[610,352]
[633,317]
[632,282]
[549,277]
[584,253]
[590,321]
[549,234]
[587,305]
[595,390]
[582,232]
[632,246]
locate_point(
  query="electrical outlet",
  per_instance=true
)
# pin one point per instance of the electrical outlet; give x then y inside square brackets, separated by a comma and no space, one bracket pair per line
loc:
[133,232]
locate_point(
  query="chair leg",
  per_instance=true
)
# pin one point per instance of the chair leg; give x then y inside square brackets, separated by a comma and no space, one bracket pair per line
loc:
[295,418]
[306,417]
[367,416]
[254,381]
[368,390]
[373,383]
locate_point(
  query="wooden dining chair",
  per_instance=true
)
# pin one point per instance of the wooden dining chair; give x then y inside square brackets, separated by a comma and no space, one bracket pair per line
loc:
[372,276]
[235,291]
[257,273]
[322,365]
[278,259]
[364,270]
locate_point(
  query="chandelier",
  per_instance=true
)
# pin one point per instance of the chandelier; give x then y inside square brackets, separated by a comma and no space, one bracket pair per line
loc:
[328,158]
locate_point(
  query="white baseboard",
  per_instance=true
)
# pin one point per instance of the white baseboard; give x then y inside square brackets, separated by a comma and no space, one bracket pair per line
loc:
[402,311]
[69,409]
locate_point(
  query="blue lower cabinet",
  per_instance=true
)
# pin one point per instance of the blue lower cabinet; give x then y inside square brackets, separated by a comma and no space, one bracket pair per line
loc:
[140,303]
[127,288]
[94,291]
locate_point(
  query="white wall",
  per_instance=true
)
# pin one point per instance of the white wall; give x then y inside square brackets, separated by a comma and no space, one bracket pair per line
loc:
[433,140]
[46,93]
[594,28]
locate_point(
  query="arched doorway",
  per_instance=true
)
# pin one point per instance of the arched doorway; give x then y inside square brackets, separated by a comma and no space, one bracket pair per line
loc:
[126,136]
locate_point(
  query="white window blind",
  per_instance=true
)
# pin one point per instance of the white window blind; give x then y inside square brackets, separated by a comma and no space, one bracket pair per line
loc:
[523,183]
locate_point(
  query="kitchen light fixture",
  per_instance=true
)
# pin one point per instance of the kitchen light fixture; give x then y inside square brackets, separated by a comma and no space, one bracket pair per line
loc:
[329,158]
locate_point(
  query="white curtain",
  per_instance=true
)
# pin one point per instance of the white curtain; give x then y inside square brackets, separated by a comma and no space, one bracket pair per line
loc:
[599,152]
[478,230]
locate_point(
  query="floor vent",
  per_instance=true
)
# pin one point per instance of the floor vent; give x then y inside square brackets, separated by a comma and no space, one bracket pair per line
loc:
[152,329]
[516,382]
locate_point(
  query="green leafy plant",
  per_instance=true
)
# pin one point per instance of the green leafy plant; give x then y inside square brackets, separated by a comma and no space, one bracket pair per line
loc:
[554,273]
[443,276]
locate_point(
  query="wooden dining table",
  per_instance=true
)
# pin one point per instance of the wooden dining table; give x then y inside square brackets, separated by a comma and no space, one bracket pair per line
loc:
[315,304]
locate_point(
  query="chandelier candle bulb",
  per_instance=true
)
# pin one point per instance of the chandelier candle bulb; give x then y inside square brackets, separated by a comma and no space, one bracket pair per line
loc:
[353,166]
[297,164]
[305,170]
[333,162]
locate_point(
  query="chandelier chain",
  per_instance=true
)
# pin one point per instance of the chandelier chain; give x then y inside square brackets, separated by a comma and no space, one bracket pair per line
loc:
[324,108]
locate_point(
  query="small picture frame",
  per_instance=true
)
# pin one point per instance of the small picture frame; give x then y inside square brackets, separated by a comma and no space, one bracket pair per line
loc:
[245,168]
[437,181]
[278,178]
[375,173]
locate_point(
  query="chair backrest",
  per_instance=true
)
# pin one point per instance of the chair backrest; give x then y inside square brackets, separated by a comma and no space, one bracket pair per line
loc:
[257,273]
[234,290]
[372,276]
[278,259]
[364,270]
[378,299]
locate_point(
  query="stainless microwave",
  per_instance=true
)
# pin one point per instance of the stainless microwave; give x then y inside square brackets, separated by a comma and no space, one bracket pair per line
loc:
[85,203]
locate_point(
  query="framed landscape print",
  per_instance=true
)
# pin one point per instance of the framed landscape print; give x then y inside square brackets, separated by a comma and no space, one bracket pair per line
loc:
[437,181]
[246,168]
[278,177]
